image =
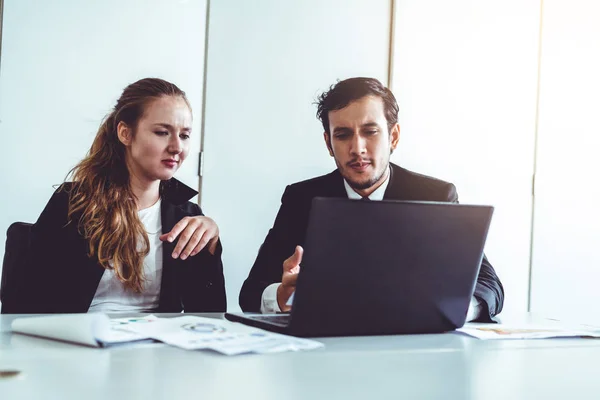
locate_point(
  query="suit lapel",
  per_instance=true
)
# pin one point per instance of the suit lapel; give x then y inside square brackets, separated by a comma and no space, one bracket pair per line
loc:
[395,189]
[335,186]
[173,194]
[169,298]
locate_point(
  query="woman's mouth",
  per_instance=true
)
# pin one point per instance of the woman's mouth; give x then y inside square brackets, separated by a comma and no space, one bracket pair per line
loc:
[170,163]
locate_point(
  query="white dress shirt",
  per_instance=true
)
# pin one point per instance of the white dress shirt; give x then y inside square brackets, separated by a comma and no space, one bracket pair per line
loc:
[269,297]
[112,296]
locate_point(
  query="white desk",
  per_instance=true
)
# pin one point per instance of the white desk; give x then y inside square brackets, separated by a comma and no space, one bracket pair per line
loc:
[447,366]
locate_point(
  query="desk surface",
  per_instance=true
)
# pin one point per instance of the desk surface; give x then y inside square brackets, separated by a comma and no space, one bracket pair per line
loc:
[444,366]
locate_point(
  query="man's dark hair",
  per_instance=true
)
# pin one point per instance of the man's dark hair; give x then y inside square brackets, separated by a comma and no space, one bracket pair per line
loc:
[344,92]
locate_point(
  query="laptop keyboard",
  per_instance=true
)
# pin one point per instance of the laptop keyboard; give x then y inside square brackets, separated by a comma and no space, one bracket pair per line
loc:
[282,320]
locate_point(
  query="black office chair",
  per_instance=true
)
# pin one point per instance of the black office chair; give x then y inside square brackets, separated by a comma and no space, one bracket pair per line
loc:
[17,249]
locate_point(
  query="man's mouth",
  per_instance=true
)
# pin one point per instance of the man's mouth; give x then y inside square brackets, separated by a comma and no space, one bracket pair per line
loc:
[359,166]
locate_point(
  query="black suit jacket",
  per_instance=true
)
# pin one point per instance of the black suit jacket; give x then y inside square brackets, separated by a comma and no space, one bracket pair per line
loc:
[59,276]
[291,223]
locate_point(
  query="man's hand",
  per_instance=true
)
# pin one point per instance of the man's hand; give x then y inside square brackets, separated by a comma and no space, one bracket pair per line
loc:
[194,234]
[291,268]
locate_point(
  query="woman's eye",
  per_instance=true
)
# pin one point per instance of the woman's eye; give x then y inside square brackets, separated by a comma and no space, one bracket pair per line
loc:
[184,136]
[161,133]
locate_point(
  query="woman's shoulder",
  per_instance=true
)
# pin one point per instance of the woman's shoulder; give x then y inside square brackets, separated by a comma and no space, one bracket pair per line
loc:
[55,213]
[61,198]
[63,192]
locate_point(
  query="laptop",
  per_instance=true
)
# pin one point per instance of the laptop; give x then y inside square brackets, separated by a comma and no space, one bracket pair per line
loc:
[383,267]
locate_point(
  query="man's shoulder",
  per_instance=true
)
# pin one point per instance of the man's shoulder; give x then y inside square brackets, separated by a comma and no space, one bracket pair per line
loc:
[324,185]
[404,185]
[416,177]
[416,186]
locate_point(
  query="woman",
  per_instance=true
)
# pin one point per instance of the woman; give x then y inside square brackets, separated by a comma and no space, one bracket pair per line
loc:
[123,236]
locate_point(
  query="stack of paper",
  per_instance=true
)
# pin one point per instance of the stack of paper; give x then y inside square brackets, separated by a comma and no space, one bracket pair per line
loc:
[197,333]
[526,331]
[186,332]
[95,330]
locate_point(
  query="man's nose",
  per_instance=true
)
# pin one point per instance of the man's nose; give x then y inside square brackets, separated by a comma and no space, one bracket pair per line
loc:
[358,144]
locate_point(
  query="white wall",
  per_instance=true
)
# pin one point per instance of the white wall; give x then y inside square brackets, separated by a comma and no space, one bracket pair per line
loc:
[267,62]
[465,76]
[64,64]
[566,261]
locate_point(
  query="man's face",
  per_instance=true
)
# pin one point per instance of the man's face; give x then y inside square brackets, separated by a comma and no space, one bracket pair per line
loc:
[360,143]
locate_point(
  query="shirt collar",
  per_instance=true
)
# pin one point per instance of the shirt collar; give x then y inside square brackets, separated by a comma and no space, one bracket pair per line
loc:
[376,195]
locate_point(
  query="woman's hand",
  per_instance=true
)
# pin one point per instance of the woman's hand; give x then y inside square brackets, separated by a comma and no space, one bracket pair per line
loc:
[194,234]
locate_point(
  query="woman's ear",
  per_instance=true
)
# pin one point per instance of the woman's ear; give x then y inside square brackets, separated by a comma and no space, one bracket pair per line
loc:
[124,133]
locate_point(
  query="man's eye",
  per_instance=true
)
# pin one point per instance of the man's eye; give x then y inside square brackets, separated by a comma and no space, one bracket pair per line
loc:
[371,132]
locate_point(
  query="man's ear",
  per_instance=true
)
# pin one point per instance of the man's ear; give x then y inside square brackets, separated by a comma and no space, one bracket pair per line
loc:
[394,137]
[328,143]
[124,133]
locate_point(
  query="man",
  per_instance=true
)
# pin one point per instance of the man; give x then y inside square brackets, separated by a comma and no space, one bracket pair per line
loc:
[360,120]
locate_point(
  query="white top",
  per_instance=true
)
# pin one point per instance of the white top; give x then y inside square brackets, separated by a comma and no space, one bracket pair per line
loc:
[269,296]
[112,296]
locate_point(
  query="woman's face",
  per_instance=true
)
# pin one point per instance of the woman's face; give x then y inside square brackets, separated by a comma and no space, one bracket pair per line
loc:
[161,141]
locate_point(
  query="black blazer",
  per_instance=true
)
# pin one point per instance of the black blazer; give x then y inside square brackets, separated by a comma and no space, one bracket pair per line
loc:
[60,277]
[291,223]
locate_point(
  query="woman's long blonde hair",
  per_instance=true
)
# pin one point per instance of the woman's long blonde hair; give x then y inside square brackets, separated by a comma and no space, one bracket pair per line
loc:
[101,200]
